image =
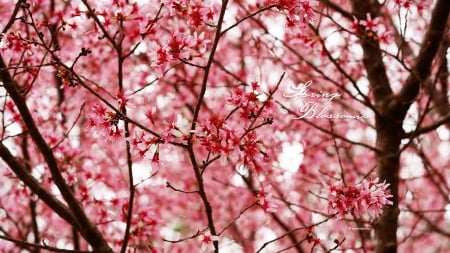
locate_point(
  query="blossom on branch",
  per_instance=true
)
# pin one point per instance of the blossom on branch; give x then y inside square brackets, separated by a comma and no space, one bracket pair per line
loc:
[265,199]
[207,241]
[104,122]
[298,12]
[364,198]
[370,24]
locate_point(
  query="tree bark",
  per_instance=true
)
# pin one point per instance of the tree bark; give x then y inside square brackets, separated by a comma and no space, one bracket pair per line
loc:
[391,108]
[77,215]
[388,167]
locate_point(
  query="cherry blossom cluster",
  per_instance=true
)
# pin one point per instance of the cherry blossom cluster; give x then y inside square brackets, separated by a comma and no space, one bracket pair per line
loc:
[418,4]
[144,224]
[131,19]
[224,146]
[180,46]
[373,27]
[364,198]
[298,12]
[5,40]
[197,12]
[141,144]
[14,114]
[240,143]
[105,122]
[265,199]
[15,42]
[217,137]
[251,104]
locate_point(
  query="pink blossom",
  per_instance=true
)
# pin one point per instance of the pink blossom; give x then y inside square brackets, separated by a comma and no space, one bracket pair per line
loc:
[364,198]
[207,241]
[230,161]
[155,159]
[150,115]
[105,122]
[4,43]
[298,12]
[139,146]
[167,134]
[121,100]
[355,25]
[370,24]
[265,200]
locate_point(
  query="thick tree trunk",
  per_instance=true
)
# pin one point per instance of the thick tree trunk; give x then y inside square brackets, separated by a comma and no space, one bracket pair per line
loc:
[388,167]
[391,108]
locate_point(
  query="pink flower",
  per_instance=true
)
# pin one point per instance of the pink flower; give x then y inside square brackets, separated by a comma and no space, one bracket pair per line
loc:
[155,159]
[384,36]
[138,146]
[150,115]
[364,198]
[207,241]
[370,24]
[355,24]
[121,100]
[105,123]
[265,200]
[177,44]
[298,12]
[167,135]
[115,134]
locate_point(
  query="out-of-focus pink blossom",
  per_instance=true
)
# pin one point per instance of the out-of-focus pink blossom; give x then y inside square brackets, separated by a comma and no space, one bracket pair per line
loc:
[370,24]
[265,200]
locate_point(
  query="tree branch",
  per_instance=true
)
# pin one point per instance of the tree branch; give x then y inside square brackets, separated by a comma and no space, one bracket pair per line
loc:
[87,228]
[38,246]
[13,16]
[373,58]
[21,172]
[336,8]
[430,45]
[443,121]
[198,169]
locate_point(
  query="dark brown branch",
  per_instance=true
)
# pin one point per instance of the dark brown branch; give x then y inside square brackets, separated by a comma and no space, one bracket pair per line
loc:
[132,187]
[250,15]
[290,233]
[439,97]
[443,121]
[430,223]
[372,55]
[38,246]
[430,45]
[87,228]
[21,172]
[438,90]
[198,169]
[388,127]
[33,202]
[13,16]
[336,8]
